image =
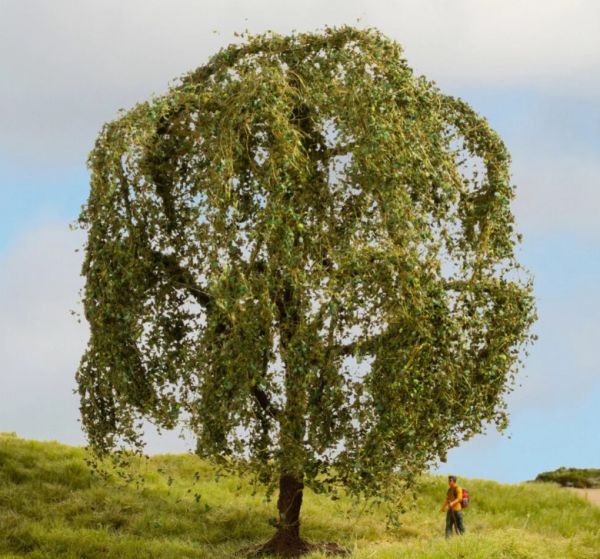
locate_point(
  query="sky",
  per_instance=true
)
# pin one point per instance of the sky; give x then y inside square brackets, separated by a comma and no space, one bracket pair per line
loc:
[532,67]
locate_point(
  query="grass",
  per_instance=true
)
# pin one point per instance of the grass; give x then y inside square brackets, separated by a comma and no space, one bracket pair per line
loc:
[51,506]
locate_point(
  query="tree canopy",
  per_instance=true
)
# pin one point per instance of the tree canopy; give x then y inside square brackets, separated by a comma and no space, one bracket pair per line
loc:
[305,253]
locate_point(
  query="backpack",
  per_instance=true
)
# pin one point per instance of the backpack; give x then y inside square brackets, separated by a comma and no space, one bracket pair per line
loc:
[465,498]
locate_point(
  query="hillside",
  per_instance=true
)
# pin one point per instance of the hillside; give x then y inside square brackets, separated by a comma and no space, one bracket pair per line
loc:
[51,506]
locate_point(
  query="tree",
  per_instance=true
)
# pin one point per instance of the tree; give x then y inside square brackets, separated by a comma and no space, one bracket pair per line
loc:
[306,254]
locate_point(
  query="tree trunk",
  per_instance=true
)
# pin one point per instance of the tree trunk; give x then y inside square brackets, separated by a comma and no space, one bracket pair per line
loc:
[287,541]
[288,505]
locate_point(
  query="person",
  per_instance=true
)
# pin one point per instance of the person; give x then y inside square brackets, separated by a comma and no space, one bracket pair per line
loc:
[453,507]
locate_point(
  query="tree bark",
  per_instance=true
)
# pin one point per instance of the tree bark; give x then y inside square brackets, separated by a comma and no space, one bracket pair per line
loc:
[287,541]
[289,505]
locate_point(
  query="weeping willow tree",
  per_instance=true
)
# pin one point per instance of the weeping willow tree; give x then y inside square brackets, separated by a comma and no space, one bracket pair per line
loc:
[304,253]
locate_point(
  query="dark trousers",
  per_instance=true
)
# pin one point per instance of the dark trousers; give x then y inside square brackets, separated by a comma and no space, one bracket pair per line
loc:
[454,518]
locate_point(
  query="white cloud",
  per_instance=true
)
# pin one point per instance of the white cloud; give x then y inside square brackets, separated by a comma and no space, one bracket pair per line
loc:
[41,342]
[67,66]
[558,194]
[501,43]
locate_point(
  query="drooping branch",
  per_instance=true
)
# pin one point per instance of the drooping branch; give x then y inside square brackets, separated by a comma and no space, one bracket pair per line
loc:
[183,277]
[265,403]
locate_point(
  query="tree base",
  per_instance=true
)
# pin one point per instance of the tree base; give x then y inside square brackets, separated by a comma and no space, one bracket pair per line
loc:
[279,546]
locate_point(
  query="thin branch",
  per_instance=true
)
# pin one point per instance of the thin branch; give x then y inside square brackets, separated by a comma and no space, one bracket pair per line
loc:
[265,403]
[182,276]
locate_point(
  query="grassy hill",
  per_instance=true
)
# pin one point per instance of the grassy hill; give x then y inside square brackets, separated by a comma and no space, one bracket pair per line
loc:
[51,506]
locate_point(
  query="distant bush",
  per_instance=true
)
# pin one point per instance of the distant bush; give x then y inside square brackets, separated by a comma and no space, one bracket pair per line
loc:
[573,477]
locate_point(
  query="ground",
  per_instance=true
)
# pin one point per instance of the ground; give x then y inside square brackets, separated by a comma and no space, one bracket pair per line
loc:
[592,495]
[51,506]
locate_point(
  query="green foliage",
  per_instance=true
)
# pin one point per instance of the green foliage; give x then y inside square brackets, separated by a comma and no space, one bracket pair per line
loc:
[572,477]
[299,205]
[51,506]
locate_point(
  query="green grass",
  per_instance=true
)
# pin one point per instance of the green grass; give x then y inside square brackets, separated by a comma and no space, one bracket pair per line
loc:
[51,506]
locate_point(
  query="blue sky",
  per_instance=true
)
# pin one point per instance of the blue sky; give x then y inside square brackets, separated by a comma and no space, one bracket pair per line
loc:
[531,67]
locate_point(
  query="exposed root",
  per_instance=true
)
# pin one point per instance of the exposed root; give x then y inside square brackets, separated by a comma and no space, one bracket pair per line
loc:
[276,547]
